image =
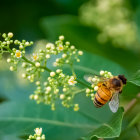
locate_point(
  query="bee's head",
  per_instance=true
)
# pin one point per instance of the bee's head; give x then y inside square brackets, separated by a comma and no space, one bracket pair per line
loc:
[121,77]
[116,83]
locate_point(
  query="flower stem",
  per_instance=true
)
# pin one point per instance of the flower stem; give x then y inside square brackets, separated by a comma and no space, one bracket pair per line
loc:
[28,61]
[49,70]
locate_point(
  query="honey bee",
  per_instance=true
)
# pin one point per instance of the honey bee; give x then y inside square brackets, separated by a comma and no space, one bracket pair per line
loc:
[109,90]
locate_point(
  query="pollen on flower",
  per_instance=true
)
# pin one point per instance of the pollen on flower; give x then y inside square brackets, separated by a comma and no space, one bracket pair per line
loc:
[35,57]
[18,54]
[76,107]
[60,48]
[72,81]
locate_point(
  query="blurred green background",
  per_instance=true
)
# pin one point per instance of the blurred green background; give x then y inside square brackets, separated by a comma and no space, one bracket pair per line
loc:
[109,30]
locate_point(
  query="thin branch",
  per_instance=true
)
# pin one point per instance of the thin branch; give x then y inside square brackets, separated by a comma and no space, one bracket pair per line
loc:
[132,104]
[47,69]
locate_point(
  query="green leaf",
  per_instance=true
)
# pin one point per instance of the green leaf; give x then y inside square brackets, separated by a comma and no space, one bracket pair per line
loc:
[23,115]
[109,130]
[135,79]
[20,118]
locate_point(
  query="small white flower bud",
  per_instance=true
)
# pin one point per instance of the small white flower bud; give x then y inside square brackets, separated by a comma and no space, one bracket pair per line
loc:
[96,88]
[61,37]
[78,60]
[87,90]
[48,46]
[24,64]
[10,34]
[23,75]
[29,77]
[80,52]
[57,59]
[38,138]
[8,60]
[11,68]
[92,95]
[62,75]
[56,91]
[102,72]
[27,43]
[52,74]
[37,83]
[69,98]
[109,73]
[21,47]
[48,89]
[74,52]
[58,71]
[72,47]
[12,54]
[67,61]
[92,85]
[89,79]
[64,89]
[64,55]
[37,64]
[94,79]
[8,42]
[43,137]
[62,96]
[35,97]
[68,43]
[55,64]
[47,56]
[23,52]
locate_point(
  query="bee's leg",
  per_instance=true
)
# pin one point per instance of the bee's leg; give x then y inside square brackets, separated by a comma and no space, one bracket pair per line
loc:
[120,91]
[110,99]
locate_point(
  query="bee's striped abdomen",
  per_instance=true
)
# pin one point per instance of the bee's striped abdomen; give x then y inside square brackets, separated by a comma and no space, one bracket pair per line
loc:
[102,96]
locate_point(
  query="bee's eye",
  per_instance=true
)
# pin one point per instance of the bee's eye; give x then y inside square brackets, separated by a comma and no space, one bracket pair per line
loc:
[116,82]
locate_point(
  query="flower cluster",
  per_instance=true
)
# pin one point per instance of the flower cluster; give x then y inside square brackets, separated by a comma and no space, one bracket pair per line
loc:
[94,82]
[68,53]
[114,19]
[38,135]
[16,54]
[57,85]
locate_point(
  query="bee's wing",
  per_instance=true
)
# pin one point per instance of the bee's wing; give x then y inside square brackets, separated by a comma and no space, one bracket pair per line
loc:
[114,103]
[88,78]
